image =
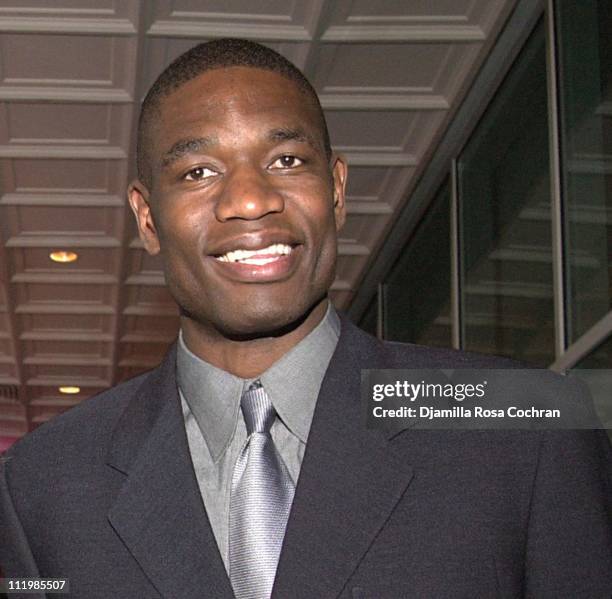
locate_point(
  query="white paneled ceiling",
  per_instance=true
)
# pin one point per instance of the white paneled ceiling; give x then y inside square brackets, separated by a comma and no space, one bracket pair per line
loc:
[390,74]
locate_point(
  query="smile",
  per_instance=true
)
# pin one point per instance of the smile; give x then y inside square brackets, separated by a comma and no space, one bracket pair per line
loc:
[273,263]
[258,257]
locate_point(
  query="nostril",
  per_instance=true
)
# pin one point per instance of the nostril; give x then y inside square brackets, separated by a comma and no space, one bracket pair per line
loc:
[250,204]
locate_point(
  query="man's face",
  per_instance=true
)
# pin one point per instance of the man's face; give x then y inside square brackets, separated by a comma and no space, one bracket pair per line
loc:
[243,204]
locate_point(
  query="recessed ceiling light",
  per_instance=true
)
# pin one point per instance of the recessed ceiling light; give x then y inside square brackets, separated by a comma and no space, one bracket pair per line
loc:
[63,256]
[70,390]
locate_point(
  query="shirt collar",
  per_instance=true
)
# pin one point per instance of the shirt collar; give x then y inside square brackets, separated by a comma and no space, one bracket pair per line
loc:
[292,383]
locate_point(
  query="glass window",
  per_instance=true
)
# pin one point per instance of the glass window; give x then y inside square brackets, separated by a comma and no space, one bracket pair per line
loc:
[505,218]
[417,291]
[599,379]
[585,59]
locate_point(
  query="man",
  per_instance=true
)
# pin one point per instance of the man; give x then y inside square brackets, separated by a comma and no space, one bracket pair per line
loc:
[147,490]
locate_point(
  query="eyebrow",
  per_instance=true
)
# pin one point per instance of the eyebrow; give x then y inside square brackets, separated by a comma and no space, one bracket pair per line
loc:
[184,147]
[287,134]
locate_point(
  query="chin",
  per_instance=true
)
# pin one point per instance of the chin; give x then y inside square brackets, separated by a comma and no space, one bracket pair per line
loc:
[269,320]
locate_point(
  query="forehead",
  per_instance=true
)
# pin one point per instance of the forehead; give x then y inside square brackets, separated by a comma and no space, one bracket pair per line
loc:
[221,96]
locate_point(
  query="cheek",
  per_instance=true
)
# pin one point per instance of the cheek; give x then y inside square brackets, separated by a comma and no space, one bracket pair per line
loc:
[181,230]
[316,205]
[325,239]
[324,224]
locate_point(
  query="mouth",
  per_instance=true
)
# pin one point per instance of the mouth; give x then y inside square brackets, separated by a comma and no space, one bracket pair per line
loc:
[259,257]
[265,261]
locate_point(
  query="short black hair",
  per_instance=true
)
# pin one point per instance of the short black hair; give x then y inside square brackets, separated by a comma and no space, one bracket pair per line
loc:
[218,54]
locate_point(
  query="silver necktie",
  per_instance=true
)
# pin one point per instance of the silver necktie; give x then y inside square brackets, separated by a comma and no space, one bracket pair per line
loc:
[261,496]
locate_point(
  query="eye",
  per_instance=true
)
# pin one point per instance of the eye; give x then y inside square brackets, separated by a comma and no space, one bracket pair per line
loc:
[199,173]
[287,161]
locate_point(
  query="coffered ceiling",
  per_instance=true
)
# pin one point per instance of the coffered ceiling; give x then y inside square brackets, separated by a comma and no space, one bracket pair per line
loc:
[390,74]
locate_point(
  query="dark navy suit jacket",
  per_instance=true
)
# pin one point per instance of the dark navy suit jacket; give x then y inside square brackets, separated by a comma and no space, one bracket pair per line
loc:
[106,496]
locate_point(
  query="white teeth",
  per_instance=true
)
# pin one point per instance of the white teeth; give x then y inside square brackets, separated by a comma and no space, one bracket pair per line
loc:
[246,256]
[258,261]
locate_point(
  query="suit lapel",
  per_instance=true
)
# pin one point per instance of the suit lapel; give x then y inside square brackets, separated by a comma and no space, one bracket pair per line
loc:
[158,513]
[350,481]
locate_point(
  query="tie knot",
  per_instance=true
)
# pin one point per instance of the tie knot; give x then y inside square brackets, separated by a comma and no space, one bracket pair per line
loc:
[257,409]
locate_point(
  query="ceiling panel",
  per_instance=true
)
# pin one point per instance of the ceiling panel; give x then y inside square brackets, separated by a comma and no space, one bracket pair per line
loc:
[56,175]
[385,130]
[45,61]
[63,9]
[36,294]
[368,66]
[275,10]
[57,326]
[394,11]
[367,181]
[59,220]
[64,349]
[28,263]
[144,328]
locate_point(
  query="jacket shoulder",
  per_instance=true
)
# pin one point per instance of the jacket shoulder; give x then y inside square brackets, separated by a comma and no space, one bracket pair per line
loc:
[395,354]
[409,355]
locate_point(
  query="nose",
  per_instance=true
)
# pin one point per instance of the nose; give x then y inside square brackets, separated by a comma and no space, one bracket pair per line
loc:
[248,194]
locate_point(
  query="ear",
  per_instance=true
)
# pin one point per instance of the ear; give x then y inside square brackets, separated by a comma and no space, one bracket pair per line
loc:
[339,173]
[138,196]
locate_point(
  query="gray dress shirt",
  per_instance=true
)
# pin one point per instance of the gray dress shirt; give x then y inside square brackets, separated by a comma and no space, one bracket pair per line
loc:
[216,432]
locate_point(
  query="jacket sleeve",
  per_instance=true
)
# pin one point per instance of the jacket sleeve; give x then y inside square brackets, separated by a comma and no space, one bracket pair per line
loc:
[569,540]
[16,559]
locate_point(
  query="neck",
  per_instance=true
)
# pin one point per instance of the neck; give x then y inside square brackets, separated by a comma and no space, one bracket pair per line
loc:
[250,356]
